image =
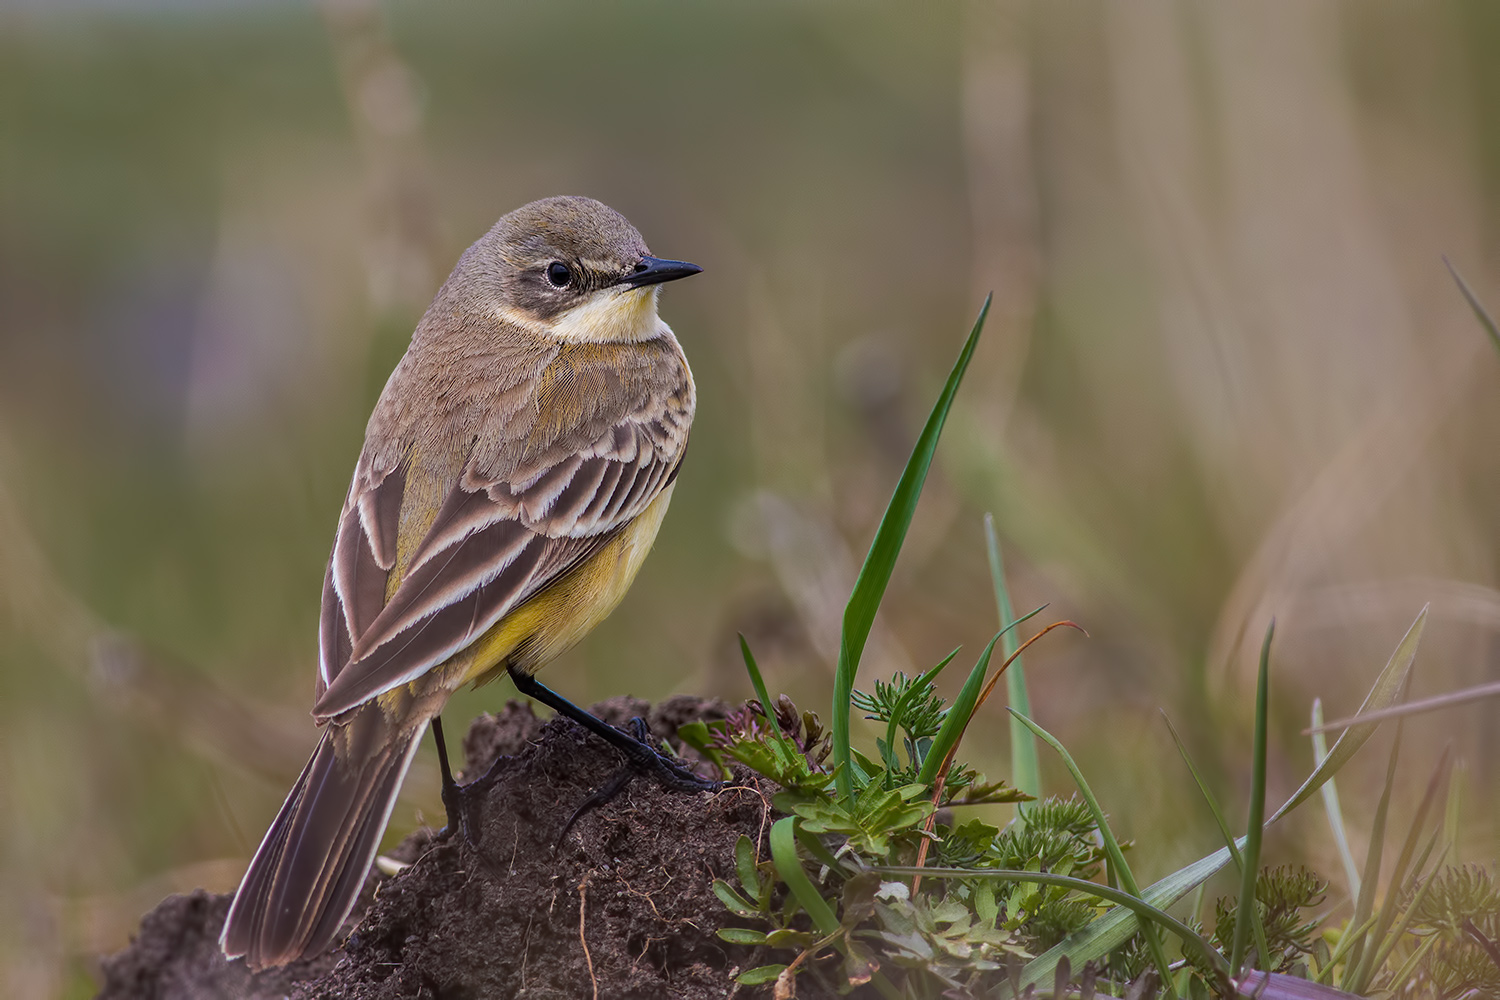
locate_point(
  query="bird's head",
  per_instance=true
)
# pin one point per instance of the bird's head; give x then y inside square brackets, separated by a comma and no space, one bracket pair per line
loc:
[574,269]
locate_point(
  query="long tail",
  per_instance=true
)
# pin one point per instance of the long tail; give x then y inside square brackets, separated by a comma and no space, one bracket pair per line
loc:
[305,877]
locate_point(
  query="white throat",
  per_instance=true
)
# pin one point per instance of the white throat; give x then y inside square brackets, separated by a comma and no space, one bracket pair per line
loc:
[613,315]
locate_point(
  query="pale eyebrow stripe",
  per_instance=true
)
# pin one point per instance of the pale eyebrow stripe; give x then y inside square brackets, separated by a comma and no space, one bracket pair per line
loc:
[507,313]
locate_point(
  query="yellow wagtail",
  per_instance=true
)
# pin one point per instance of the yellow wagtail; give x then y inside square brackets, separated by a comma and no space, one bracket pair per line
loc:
[514,474]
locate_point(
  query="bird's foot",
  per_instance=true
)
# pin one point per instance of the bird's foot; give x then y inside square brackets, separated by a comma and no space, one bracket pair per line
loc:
[668,770]
[456,801]
[459,807]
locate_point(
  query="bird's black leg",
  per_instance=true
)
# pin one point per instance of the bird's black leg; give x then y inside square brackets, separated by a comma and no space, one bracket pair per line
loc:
[453,797]
[643,758]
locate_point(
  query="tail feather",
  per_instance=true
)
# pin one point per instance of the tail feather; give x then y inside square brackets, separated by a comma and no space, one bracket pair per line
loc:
[308,872]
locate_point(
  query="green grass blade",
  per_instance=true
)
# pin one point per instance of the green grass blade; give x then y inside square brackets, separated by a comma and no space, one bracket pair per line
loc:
[1138,907]
[789,867]
[1025,763]
[1111,847]
[957,718]
[931,675]
[1255,825]
[1399,979]
[1258,924]
[1399,887]
[1112,929]
[1364,905]
[1456,782]
[759,684]
[1480,311]
[1208,795]
[1331,806]
[1352,934]
[821,854]
[1395,933]
[1388,687]
[869,588]
[1436,785]
[1196,906]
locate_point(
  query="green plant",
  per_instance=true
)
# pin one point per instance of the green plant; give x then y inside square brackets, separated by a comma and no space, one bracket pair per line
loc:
[1281,896]
[874,877]
[1459,915]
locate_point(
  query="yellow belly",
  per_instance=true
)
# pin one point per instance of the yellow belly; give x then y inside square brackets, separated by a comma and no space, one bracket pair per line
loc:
[555,620]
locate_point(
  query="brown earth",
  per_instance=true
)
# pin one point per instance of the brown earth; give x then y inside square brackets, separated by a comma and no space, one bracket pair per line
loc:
[623,909]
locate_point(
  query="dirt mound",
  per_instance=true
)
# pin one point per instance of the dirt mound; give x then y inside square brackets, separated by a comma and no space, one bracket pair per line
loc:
[176,957]
[624,907]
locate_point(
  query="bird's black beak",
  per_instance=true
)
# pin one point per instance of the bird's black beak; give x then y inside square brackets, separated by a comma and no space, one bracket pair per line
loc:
[654,270]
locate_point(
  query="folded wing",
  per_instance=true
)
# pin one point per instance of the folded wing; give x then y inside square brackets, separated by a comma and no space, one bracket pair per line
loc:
[515,520]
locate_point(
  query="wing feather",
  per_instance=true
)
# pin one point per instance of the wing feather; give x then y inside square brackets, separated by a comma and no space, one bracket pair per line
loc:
[431,639]
[446,578]
[357,579]
[380,516]
[364,554]
[335,644]
[464,513]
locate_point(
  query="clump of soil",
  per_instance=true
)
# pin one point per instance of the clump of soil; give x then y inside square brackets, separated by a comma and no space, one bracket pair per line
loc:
[176,956]
[623,908]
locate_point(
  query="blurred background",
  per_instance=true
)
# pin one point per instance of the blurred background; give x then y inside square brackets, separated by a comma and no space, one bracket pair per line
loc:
[1226,377]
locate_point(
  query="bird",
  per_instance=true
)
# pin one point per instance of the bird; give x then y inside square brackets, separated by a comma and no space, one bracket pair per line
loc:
[514,474]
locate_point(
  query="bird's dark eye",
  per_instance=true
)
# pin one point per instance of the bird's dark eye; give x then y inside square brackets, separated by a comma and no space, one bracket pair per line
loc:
[559,274]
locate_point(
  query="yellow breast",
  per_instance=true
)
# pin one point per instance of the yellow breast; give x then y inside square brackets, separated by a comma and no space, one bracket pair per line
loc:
[555,620]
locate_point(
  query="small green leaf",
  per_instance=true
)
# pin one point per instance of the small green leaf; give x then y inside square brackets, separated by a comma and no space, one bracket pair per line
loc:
[1139,906]
[741,935]
[744,863]
[859,962]
[759,976]
[695,734]
[858,901]
[985,903]
[950,911]
[788,938]
[736,903]
[1331,806]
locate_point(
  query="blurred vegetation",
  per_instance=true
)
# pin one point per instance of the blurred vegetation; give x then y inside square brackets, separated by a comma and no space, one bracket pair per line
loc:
[1226,377]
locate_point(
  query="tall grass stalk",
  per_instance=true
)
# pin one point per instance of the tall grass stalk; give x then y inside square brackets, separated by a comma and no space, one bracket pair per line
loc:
[1025,763]
[875,575]
[1250,868]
